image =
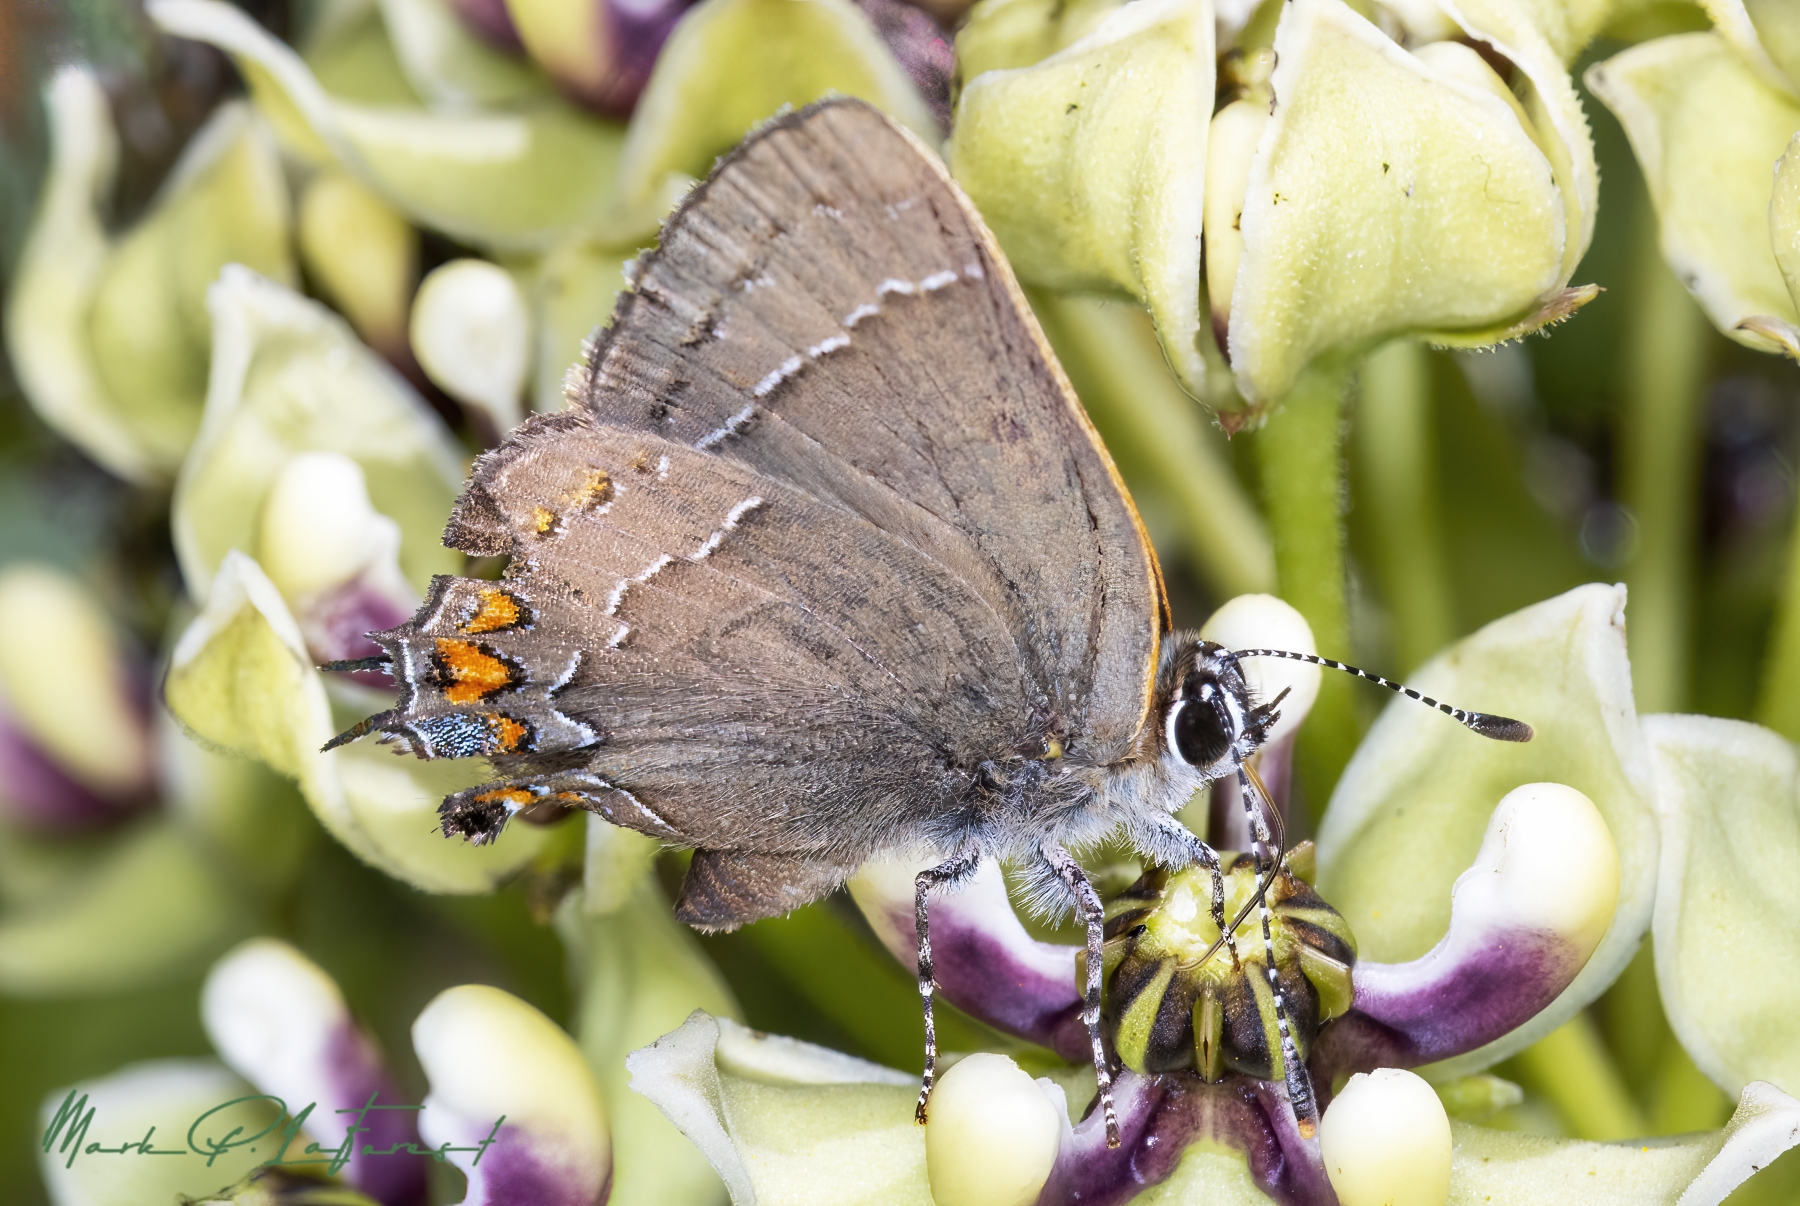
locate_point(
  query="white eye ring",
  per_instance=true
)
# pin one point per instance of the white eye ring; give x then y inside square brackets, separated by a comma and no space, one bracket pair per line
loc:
[1169,729]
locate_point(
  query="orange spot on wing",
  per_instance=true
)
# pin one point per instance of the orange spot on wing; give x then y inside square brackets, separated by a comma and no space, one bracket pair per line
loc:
[516,796]
[509,734]
[495,611]
[596,491]
[472,672]
[543,519]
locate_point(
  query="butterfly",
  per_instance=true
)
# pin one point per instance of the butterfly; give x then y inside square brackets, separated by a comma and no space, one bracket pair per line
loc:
[823,563]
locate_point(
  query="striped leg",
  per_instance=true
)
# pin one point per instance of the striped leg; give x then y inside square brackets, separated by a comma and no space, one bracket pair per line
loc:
[1069,872]
[952,873]
[1299,1080]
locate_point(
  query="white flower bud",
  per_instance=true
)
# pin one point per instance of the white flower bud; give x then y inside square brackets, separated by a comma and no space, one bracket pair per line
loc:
[1547,863]
[992,1134]
[319,528]
[490,1056]
[1385,1140]
[472,335]
[1265,622]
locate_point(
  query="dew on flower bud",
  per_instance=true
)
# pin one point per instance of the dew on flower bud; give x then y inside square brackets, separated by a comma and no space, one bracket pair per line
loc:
[1172,1008]
[992,1135]
[1385,1140]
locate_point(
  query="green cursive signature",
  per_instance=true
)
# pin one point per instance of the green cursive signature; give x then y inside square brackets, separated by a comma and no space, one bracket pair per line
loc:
[68,1134]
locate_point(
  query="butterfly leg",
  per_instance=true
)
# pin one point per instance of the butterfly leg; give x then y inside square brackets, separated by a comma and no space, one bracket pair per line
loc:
[1075,880]
[1299,1080]
[952,873]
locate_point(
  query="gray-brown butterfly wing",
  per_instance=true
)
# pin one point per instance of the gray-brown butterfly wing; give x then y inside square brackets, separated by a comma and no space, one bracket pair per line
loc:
[939,566]
[829,310]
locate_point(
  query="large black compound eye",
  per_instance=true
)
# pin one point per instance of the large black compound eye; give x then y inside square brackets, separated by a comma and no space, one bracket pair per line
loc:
[1201,730]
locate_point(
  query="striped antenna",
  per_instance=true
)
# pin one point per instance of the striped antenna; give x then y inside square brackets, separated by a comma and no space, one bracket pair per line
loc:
[1500,728]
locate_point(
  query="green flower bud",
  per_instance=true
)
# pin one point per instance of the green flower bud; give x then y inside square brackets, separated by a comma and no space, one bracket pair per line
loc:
[363,255]
[1766,33]
[224,203]
[1727,923]
[289,378]
[1090,166]
[1707,131]
[1359,191]
[522,177]
[1002,34]
[1172,1007]
[450,67]
[111,340]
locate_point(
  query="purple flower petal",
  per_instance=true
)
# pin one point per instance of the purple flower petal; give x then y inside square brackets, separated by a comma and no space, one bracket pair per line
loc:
[513,1100]
[518,1168]
[281,1023]
[605,68]
[1450,1000]
[357,1078]
[1524,919]
[922,48]
[1160,1116]
[37,793]
[982,958]
[338,623]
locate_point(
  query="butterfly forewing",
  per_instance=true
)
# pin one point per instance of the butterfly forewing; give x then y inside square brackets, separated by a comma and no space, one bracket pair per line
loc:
[829,310]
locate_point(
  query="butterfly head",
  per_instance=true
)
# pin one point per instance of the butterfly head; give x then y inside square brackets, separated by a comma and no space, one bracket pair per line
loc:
[1212,720]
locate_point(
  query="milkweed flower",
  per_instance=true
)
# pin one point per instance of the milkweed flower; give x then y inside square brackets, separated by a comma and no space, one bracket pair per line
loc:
[1350,189]
[301,1089]
[1561,880]
[1712,118]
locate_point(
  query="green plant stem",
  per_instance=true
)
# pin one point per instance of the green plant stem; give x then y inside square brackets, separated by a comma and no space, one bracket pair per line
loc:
[1160,437]
[1778,705]
[1399,486]
[1570,1068]
[1300,450]
[1659,471]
